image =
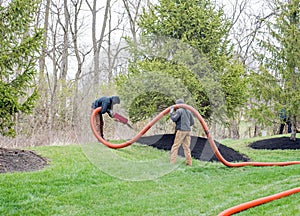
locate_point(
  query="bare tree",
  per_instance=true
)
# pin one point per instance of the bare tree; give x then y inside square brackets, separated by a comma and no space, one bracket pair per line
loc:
[40,116]
[80,55]
[57,72]
[247,20]
[58,52]
[52,76]
[133,9]
[63,57]
[44,47]
[114,46]
[97,43]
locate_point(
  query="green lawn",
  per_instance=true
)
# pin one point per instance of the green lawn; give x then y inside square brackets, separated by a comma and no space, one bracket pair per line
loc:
[138,180]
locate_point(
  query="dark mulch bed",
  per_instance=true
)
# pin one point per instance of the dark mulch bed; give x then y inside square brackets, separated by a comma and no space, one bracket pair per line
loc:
[200,148]
[17,160]
[280,143]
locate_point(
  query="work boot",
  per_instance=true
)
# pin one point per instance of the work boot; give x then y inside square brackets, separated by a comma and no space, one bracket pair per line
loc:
[188,162]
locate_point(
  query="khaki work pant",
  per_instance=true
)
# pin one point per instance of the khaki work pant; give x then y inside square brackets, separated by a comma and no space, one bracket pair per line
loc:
[99,123]
[182,138]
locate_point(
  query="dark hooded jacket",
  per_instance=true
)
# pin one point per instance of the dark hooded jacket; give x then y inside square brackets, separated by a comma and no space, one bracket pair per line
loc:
[106,103]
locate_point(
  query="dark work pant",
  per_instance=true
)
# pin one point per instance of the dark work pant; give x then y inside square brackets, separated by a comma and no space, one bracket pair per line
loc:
[289,124]
[99,124]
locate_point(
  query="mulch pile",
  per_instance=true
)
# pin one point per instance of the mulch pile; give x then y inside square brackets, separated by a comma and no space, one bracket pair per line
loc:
[200,148]
[281,143]
[17,160]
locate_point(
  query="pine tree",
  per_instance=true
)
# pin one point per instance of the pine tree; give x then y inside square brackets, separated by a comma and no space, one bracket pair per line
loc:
[190,58]
[281,62]
[20,41]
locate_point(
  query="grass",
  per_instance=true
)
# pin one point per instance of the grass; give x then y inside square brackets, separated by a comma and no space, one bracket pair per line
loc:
[138,180]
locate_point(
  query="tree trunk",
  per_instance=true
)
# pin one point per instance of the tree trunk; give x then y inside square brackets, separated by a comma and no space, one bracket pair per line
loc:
[42,59]
[98,44]
[53,84]
[235,133]
[294,128]
[64,65]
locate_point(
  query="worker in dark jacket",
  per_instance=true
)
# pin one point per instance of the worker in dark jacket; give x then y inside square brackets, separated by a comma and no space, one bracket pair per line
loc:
[285,120]
[184,120]
[106,104]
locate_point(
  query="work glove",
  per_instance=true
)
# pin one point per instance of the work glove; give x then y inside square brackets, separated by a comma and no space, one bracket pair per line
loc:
[111,113]
[171,109]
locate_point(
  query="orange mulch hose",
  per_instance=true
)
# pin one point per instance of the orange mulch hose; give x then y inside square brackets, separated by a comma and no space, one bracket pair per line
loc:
[215,150]
[129,142]
[257,202]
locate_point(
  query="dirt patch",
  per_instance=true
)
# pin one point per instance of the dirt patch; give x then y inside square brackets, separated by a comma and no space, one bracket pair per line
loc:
[17,160]
[281,143]
[200,148]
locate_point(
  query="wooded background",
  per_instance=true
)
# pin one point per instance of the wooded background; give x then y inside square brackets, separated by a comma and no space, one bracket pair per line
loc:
[236,61]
